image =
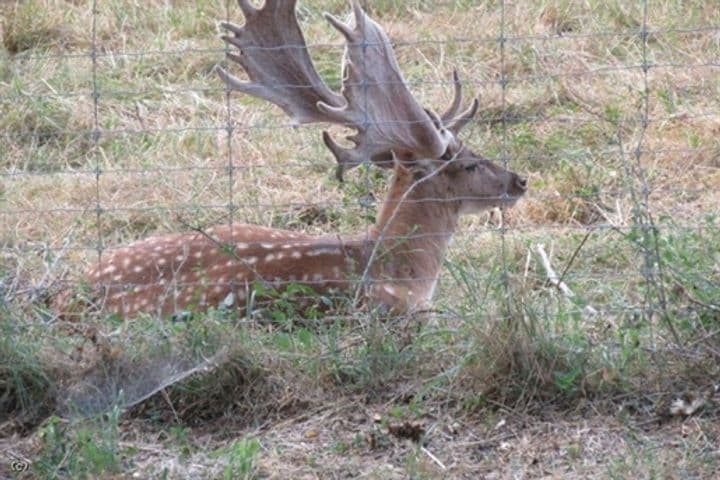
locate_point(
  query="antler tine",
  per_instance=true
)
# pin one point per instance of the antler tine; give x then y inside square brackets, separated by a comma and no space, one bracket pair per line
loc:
[249,9]
[452,110]
[464,118]
[450,117]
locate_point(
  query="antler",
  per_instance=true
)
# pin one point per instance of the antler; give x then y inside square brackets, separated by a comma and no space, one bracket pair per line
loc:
[375,98]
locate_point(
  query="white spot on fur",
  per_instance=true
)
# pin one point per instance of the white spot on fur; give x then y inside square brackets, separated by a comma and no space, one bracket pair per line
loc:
[126,262]
[161,261]
[390,289]
[229,263]
[251,260]
[241,246]
[198,254]
[109,269]
[269,257]
[138,269]
[296,254]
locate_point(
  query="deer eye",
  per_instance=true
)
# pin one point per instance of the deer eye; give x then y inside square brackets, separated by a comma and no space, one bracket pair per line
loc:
[471,168]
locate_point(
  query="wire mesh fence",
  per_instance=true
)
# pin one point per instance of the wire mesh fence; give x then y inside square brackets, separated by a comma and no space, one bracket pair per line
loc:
[115,128]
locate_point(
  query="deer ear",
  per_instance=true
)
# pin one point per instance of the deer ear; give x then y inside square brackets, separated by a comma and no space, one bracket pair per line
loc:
[403,168]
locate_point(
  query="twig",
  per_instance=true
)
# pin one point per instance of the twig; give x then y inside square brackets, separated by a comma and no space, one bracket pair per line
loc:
[381,235]
[572,259]
[556,281]
[433,458]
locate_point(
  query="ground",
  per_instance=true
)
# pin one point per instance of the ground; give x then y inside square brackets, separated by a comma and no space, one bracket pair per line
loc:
[115,127]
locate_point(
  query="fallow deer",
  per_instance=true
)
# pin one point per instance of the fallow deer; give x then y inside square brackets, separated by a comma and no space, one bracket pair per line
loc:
[395,265]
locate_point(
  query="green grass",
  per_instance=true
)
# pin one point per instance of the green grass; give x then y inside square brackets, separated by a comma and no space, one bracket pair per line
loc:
[504,365]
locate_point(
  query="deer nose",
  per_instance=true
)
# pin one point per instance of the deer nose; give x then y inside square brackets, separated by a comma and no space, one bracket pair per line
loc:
[521,183]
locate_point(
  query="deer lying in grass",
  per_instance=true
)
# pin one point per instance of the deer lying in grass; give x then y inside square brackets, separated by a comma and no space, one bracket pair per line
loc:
[396,264]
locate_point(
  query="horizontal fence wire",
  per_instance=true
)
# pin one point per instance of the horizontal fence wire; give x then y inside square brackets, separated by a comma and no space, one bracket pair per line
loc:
[474,40]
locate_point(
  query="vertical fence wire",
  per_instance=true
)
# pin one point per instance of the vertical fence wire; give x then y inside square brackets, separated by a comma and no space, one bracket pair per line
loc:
[653,263]
[229,131]
[504,155]
[96,134]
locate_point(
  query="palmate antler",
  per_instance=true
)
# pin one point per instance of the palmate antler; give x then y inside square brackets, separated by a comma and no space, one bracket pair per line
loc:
[375,99]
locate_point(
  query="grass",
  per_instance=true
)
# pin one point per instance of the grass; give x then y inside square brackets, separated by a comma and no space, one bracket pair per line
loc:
[506,376]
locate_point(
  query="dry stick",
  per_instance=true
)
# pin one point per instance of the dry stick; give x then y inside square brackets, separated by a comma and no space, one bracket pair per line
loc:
[572,258]
[381,236]
[433,458]
[556,281]
[223,246]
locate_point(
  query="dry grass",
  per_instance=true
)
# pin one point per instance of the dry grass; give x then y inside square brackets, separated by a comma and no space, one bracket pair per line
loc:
[507,378]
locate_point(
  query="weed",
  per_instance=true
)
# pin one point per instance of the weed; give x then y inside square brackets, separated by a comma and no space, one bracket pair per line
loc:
[240,457]
[84,449]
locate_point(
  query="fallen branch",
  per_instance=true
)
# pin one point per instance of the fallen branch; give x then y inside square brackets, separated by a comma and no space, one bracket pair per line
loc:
[555,280]
[433,458]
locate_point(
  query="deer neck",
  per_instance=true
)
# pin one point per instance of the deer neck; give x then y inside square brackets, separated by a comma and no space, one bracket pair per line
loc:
[412,234]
